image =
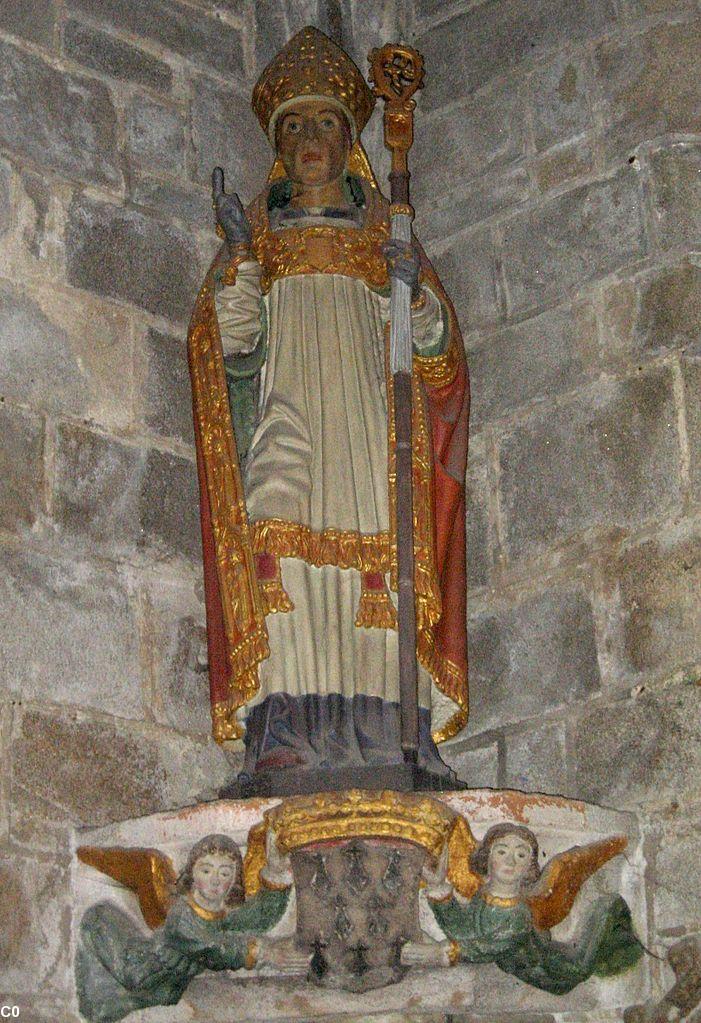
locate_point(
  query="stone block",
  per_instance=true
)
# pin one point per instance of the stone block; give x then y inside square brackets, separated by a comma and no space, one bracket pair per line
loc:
[676,193]
[654,311]
[535,760]
[531,658]
[125,254]
[198,36]
[35,22]
[89,771]
[608,458]
[225,133]
[644,750]
[574,238]
[563,164]
[21,468]
[36,922]
[98,480]
[272,30]
[676,880]
[546,355]
[692,397]
[658,582]
[125,500]
[178,641]
[492,37]
[191,205]
[57,119]
[65,354]
[478,533]
[650,84]
[169,507]
[475,201]
[468,271]
[155,135]
[455,146]
[479,767]
[166,397]
[101,52]
[559,102]
[70,634]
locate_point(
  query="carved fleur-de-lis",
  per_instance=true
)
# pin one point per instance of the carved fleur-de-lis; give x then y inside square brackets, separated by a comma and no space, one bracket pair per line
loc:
[342,923]
[392,877]
[357,878]
[321,883]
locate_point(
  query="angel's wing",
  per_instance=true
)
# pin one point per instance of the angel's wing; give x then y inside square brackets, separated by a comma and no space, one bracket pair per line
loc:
[552,897]
[255,858]
[147,872]
[461,844]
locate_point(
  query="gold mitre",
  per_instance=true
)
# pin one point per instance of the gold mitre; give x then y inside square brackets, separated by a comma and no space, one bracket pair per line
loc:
[311,65]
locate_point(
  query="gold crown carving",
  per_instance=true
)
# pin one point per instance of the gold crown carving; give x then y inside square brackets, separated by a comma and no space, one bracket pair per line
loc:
[302,820]
[312,65]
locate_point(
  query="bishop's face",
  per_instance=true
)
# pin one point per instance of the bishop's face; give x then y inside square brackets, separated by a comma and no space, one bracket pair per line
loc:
[313,142]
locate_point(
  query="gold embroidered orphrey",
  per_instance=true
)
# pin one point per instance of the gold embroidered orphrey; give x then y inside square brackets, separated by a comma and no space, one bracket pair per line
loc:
[355,253]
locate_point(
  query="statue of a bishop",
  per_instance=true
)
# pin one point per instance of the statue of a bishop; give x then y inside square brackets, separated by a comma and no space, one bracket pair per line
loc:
[293,421]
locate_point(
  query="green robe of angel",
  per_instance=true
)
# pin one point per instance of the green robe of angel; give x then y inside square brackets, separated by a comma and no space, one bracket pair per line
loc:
[119,970]
[488,932]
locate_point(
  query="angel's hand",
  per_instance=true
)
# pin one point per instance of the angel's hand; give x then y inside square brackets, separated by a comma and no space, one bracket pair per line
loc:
[426,953]
[229,212]
[283,956]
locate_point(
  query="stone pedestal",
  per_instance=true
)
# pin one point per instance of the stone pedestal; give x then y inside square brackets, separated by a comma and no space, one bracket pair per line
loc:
[478,992]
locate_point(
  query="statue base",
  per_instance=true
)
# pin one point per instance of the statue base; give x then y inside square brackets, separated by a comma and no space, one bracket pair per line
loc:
[354,860]
[406,777]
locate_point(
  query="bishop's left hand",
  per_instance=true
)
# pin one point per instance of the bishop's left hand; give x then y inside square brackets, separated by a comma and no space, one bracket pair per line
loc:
[404,263]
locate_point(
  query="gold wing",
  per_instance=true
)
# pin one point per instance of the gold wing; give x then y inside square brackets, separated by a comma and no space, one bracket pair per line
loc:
[552,897]
[146,872]
[461,844]
[255,859]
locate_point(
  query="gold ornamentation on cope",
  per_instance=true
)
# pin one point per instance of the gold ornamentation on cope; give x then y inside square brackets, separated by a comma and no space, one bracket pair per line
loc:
[357,813]
[366,552]
[312,65]
[352,252]
[438,370]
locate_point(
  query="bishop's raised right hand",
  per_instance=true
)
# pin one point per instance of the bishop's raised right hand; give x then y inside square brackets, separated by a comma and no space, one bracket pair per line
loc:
[229,212]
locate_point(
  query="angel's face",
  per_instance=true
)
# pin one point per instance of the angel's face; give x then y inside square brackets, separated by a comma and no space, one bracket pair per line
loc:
[509,862]
[213,877]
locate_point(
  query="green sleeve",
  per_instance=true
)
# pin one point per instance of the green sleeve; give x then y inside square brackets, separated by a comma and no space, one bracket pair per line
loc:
[260,913]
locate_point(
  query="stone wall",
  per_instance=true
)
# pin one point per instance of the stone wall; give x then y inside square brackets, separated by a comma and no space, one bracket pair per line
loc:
[558,179]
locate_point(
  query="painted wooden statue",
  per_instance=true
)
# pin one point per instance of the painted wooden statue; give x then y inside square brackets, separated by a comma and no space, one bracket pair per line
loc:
[202,923]
[288,343]
[500,905]
[348,890]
